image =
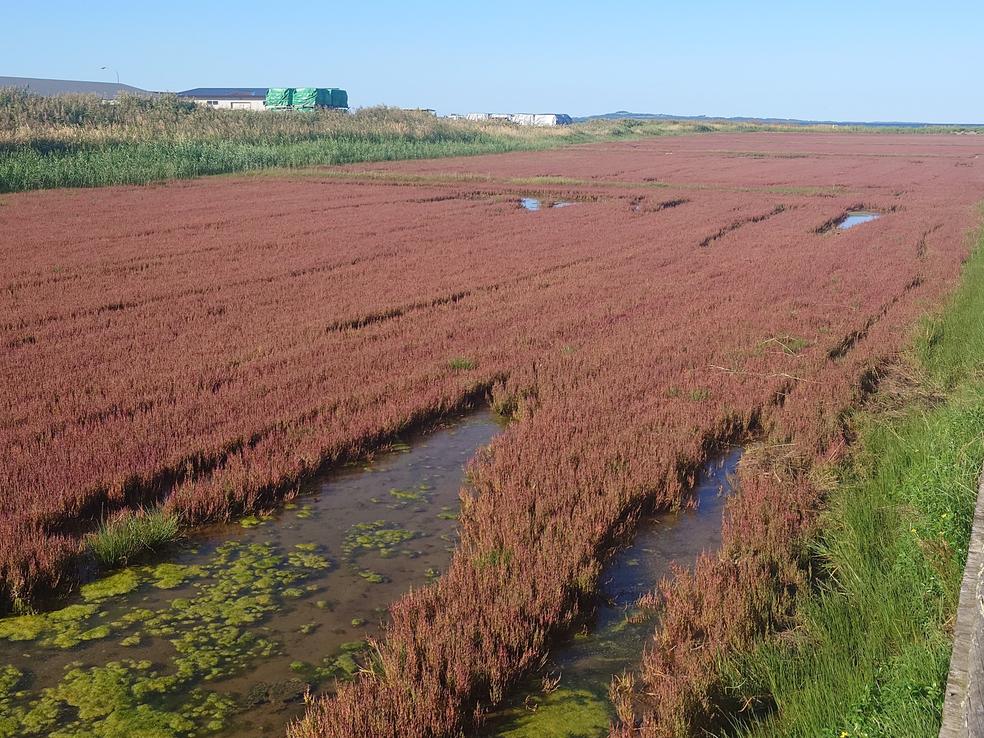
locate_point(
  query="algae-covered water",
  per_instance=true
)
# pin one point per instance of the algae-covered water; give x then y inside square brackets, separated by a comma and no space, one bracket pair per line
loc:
[227,635]
[578,706]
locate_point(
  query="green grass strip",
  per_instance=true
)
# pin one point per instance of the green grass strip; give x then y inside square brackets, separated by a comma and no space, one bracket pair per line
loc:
[871,656]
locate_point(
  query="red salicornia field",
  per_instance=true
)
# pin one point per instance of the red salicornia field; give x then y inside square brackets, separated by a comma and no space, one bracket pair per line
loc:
[205,345]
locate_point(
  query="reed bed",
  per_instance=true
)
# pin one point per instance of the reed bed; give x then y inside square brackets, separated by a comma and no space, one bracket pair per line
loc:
[82,141]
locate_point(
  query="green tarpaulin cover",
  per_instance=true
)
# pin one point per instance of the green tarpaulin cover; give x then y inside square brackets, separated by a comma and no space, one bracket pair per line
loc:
[306,98]
[279,97]
[339,98]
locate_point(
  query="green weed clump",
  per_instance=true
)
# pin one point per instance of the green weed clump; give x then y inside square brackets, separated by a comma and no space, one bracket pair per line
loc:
[460,364]
[126,540]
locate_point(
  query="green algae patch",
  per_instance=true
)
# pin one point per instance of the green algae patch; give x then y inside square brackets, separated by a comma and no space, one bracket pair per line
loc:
[405,496]
[63,628]
[565,713]
[343,667]
[120,698]
[100,631]
[112,586]
[23,627]
[169,576]
[308,560]
[377,535]
[209,630]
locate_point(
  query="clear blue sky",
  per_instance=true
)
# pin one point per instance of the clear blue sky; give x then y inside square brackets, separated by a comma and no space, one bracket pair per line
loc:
[858,60]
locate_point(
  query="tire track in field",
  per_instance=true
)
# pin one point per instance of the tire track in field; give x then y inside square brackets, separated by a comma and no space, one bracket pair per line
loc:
[724,231]
[848,342]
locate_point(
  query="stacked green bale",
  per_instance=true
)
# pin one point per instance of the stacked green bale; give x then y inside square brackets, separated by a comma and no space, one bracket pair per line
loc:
[279,98]
[339,98]
[305,98]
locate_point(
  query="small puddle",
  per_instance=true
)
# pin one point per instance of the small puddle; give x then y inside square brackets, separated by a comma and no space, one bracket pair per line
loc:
[579,706]
[227,635]
[856,218]
[532,203]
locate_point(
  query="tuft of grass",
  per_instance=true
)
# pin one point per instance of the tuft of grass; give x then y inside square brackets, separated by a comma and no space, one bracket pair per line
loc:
[460,364]
[124,541]
[871,655]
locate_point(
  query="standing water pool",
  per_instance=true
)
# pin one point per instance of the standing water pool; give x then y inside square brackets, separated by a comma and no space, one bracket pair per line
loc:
[227,635]
[855,218]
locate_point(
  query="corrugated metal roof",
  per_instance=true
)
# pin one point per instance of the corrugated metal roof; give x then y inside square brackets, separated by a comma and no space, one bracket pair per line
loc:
[48,87]
[220,93]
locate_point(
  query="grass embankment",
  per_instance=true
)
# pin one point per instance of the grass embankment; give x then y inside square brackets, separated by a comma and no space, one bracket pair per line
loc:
[872,654]
[80,141]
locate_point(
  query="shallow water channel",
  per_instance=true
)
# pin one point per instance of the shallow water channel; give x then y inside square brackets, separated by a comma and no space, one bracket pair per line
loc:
[226,635]
[610,644]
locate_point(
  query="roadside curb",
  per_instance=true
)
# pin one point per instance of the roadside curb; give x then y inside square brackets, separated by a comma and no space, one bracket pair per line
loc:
[963,708]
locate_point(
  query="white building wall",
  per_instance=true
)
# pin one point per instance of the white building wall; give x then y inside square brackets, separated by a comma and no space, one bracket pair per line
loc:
[227,104]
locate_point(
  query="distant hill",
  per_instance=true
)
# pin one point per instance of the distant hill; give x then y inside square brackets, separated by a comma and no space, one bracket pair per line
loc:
[50,87]
[623,114]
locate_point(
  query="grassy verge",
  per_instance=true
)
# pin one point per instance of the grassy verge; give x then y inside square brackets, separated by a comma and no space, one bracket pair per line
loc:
[872,652]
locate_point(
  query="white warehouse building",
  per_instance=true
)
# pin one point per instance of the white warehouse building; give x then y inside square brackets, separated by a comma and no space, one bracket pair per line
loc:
[227,98]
